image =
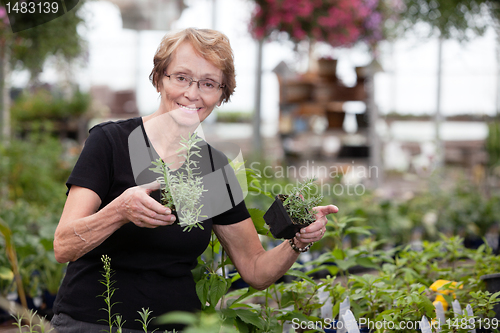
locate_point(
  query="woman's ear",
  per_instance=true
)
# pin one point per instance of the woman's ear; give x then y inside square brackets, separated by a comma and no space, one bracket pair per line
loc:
[159,86]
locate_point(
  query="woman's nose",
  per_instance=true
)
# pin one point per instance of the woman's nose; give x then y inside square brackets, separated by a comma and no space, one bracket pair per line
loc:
[192,92]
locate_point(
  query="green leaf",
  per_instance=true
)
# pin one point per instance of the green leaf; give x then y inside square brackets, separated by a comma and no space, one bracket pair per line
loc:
[257,216]
[338,253]
[250,292]
[287,299]
[241,325]
[301,275]
[250,317]
[346,264]
[366,262]
[178,317]
[358,231]
[6,273]
[202,291]
[218,288]
[294,314]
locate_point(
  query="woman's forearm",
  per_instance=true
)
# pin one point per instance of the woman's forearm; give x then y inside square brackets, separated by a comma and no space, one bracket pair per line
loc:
[75,235]
[272,265]
[82,227]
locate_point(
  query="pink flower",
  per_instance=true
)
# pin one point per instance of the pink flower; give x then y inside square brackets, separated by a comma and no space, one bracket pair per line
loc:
[289,18]
[339,22]
[273,21]
[305,8]
[259,32]
[298,33]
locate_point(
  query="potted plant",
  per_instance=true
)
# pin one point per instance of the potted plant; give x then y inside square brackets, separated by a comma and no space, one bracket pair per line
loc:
[182,191]
[291,212]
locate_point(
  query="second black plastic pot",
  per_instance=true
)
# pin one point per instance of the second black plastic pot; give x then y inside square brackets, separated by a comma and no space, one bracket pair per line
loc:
[280,223]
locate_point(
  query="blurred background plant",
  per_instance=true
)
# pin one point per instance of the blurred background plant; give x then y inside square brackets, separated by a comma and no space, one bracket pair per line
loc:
[338,23]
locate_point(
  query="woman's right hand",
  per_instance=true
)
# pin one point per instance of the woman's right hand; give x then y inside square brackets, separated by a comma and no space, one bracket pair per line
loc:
[81,226]
[138,207]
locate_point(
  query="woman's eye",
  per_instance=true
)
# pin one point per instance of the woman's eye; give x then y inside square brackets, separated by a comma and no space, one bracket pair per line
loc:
[209,85]
[181,78]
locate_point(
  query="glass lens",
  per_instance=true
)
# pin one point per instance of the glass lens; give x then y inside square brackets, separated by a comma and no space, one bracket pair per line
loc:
[206,86]
[181,80]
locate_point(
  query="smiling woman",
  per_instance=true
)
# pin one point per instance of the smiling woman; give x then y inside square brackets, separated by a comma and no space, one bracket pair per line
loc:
[113,206]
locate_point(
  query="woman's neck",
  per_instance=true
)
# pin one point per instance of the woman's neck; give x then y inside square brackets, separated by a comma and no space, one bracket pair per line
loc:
[165,136]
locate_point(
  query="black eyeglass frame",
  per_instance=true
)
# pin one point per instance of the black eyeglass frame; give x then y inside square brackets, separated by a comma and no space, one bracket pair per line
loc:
[221,85]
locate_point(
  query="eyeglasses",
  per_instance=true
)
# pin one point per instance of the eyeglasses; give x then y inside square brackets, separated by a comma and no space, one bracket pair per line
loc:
[206,86]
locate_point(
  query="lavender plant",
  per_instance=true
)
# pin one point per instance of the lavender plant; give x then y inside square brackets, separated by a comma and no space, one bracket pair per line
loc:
[145,320]
[299,203]
[182,191]
[108,294]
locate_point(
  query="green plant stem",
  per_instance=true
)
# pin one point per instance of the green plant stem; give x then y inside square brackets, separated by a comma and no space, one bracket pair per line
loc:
[223,268]
[12,257]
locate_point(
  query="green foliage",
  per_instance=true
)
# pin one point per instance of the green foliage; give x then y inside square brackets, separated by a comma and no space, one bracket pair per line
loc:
[183,191]
[33,230]
[210,285]
[463,209]
[34,170]
[11,254]
[493,144]
[31,47]
[234,116]
[300,202]
[108,283]
[43,105]
[145,320]
[451,19]
[34,323]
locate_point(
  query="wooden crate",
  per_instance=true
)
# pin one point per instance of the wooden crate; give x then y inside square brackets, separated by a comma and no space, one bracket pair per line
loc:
[293,91]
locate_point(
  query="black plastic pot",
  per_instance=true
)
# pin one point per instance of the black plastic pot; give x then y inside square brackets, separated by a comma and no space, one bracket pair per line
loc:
[493,285]
[279,221]
[174,211]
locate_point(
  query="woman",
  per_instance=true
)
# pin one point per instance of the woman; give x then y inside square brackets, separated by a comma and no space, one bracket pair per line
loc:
[107,213]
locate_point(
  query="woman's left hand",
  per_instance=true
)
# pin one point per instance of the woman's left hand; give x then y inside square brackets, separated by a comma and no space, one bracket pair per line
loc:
[315,231]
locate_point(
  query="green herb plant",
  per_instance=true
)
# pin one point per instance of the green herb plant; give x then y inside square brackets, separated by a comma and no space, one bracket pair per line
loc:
[115,319]
[108,294]
[145,320]
[299,203]
[182,191]
[34,323]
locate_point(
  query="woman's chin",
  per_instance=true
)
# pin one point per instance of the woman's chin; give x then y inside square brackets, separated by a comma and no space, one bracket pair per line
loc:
[185,117]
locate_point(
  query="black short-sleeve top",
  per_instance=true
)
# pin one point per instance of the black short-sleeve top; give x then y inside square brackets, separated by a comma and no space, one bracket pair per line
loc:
[152,266]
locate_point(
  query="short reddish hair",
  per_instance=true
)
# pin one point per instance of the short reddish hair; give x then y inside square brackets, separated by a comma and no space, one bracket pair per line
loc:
[210,44]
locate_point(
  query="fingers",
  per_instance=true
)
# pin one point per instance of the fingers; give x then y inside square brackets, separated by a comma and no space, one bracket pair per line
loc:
[151,187]
[315,231]
[325,210]
[144,211]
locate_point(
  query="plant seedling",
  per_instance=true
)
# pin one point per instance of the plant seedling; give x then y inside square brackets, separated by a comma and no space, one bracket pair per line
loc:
[182,191]
[293,211]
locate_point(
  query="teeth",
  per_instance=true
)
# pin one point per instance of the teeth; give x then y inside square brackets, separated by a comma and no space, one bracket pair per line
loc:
[188,108]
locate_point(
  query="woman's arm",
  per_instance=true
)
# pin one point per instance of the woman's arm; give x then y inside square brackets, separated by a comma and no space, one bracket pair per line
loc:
[260,268]
[82,227]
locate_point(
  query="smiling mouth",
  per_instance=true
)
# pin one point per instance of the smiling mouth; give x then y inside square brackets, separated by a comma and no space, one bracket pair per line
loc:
[188,108]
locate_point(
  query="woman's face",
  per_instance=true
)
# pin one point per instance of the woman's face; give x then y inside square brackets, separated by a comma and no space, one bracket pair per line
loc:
[189,106]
